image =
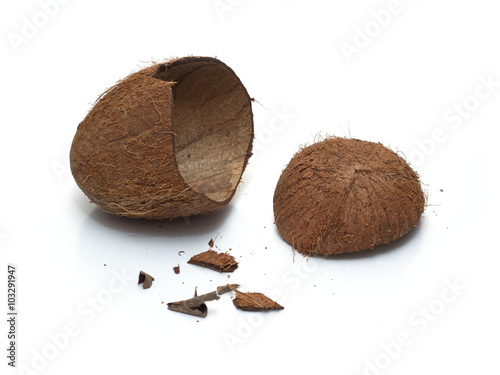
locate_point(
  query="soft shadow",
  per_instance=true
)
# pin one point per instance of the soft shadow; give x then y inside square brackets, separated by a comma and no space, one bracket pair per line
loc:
[188,226]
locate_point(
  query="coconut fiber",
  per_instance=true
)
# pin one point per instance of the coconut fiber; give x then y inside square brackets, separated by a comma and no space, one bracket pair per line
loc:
[254,302]
[345,195]
[168,141]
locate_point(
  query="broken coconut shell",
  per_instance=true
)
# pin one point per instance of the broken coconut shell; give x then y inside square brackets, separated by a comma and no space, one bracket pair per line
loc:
[344,195]
[255,302]
[222,262]
[171,140]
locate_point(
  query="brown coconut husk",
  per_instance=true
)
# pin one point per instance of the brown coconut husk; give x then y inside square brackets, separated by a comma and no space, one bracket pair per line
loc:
[344,195]
[171,140]
[254,302]
[222,262]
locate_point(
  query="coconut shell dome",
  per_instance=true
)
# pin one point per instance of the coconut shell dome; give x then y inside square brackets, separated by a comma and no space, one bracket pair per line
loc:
[344,195]
[171,140]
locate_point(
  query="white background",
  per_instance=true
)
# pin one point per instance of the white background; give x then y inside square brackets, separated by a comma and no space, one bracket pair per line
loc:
[415,84]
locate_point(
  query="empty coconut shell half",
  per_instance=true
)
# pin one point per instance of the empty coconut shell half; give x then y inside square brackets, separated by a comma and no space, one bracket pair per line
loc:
[171,140]
[344,195]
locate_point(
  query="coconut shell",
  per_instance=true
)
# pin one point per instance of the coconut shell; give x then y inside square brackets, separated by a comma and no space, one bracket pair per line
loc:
[344,195]
[171,140]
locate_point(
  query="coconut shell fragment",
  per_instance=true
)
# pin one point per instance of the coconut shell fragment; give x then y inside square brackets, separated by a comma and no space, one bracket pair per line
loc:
[171,140]
[145,279]
[196,306]
[222,262]
[345,195]
[255,302]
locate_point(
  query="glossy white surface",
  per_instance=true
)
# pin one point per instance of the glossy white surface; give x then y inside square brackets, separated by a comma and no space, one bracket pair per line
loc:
[420,86]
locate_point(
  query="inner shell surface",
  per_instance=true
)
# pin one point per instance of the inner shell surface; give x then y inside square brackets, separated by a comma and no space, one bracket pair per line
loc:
[212,122]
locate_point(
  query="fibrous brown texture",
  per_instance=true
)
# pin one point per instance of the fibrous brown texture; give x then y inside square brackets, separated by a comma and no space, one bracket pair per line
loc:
[344,195]
[222,262]
[255,302]
[168,141]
